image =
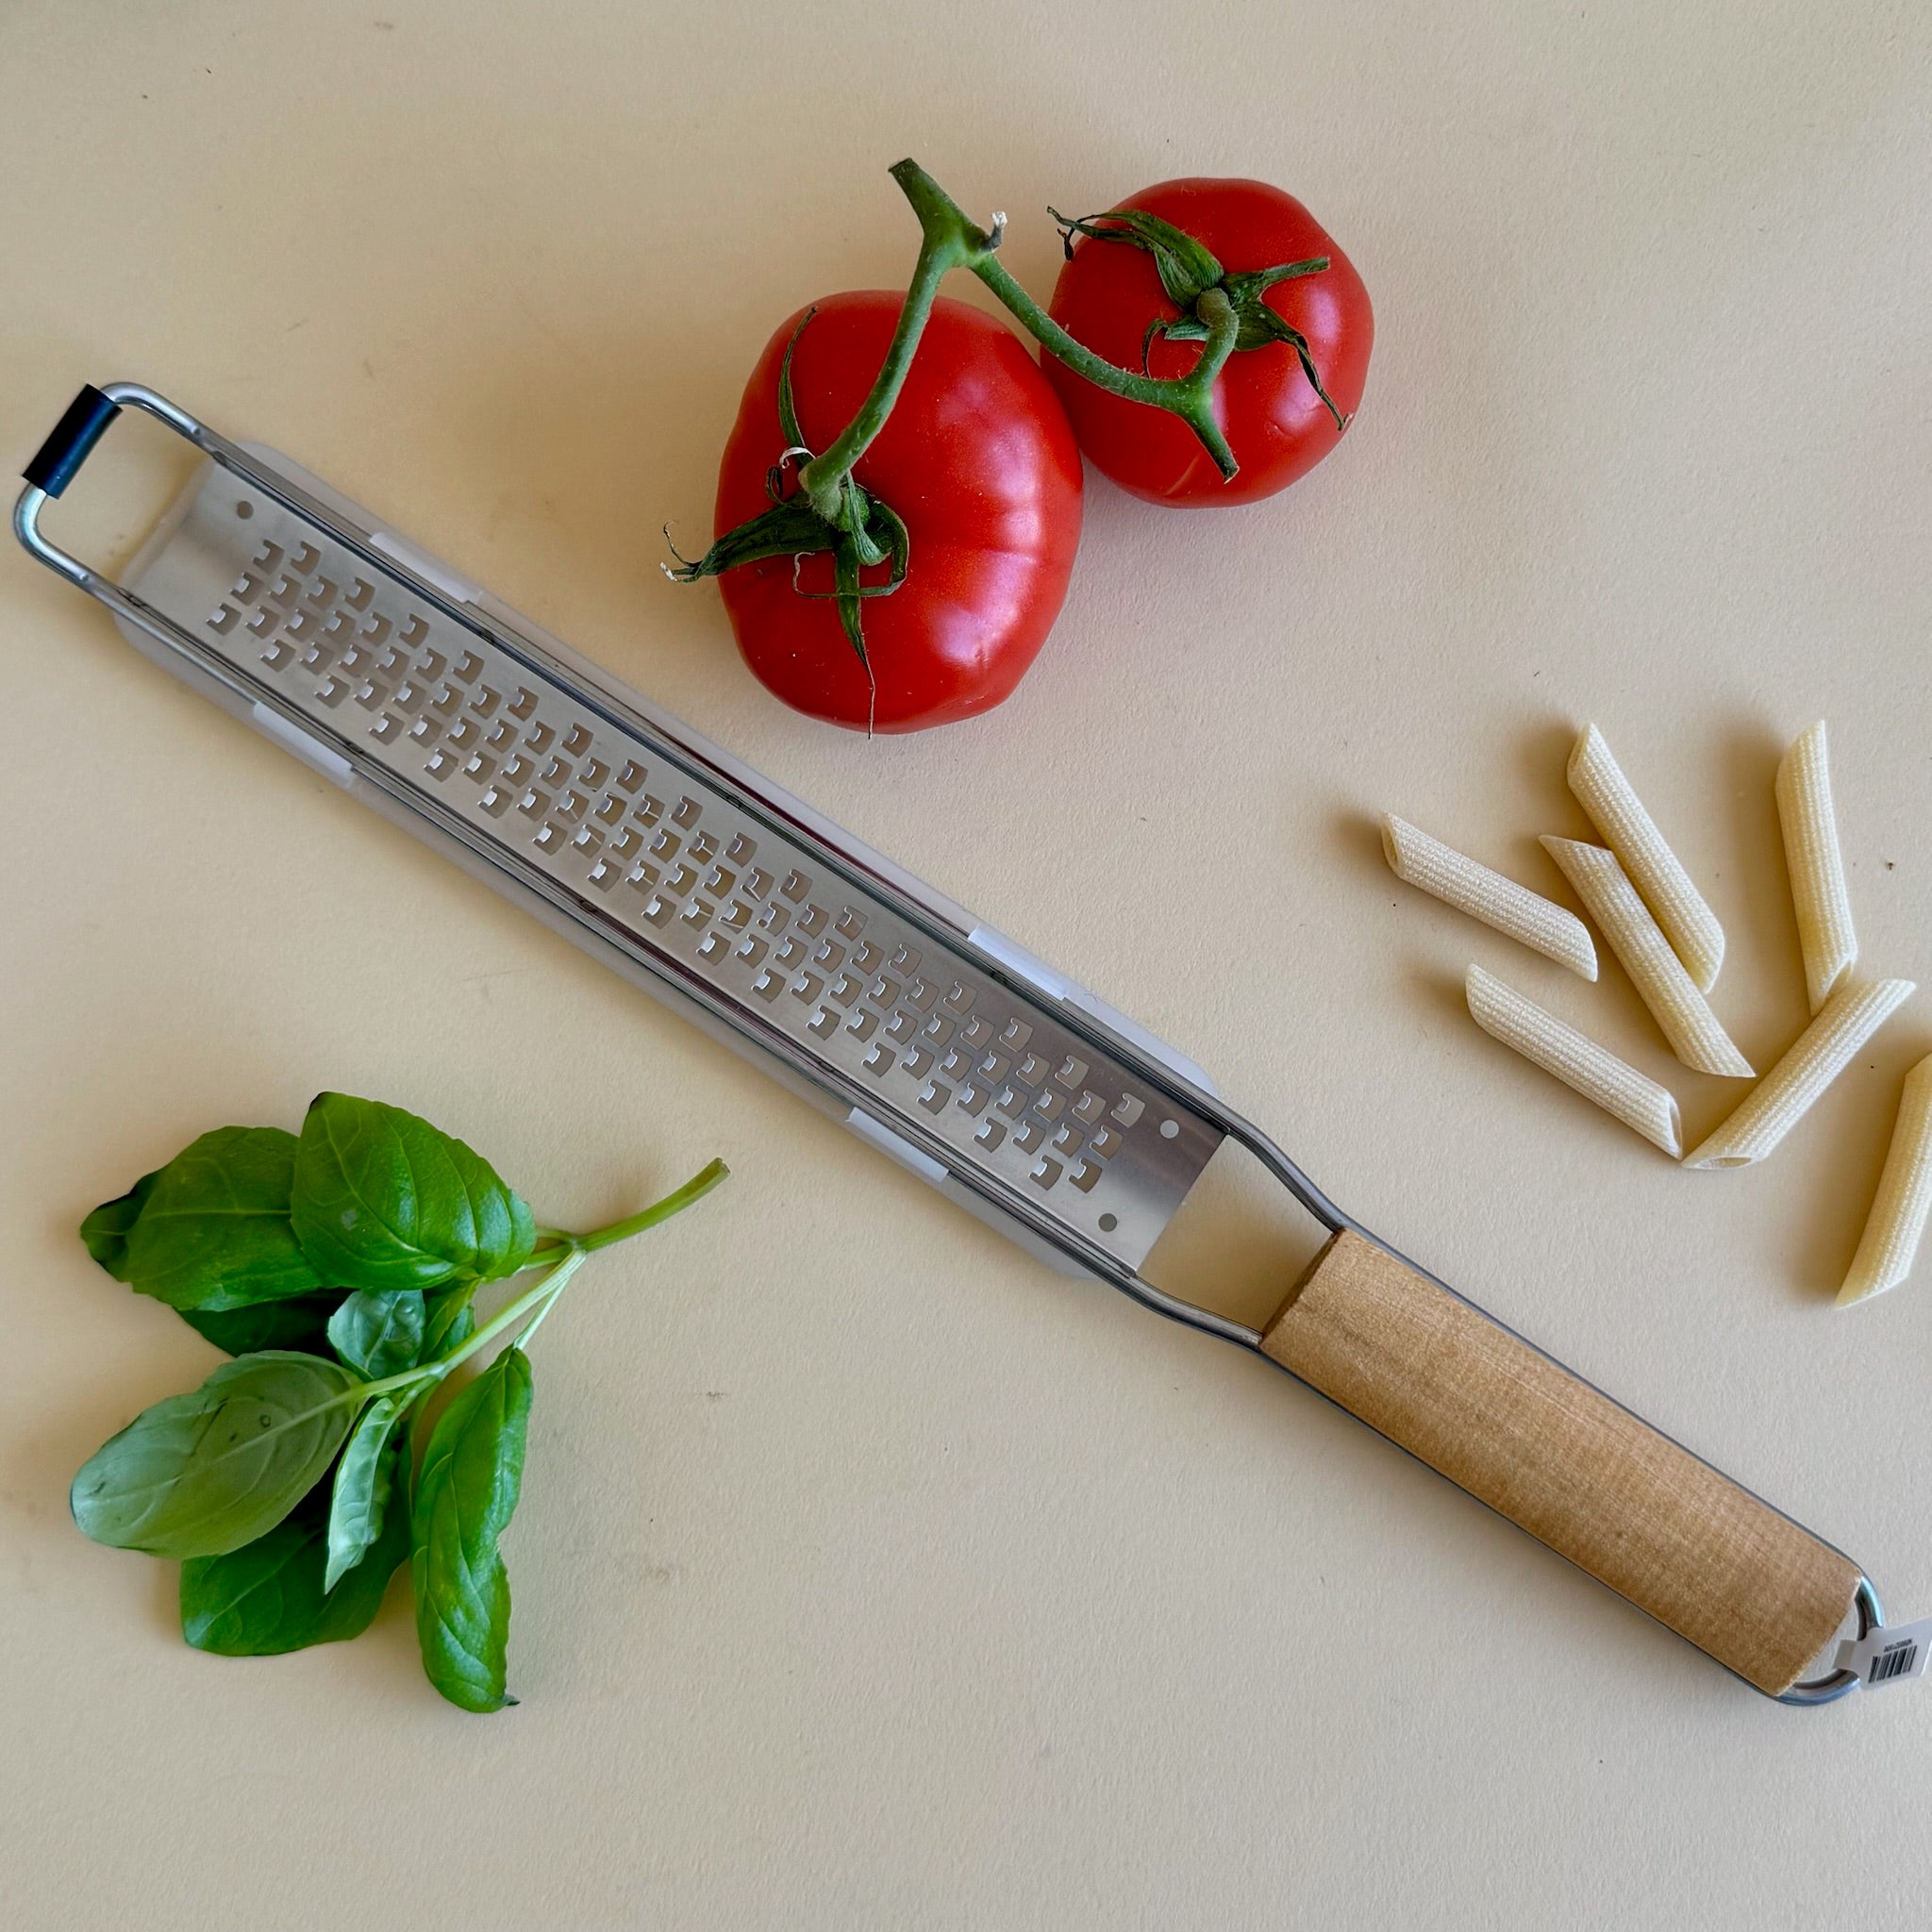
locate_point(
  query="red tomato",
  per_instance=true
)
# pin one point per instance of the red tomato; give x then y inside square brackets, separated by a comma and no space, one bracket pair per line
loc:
[1269,411]
[976,459]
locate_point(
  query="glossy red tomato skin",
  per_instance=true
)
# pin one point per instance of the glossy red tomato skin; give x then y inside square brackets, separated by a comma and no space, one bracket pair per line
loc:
[979,461]
[1275,422]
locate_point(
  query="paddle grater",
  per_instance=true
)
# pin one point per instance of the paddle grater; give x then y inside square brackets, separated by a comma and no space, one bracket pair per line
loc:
[1015,1092]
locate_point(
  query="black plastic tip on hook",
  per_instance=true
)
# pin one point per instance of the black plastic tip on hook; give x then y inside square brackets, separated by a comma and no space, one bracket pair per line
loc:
[71,442]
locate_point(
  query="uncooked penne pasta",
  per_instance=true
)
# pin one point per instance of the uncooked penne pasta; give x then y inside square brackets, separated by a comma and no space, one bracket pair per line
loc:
[1459,881]
[1905,1197]
[1575,1059]
[1819,895]
[1819,1055]
[1692,1029]
[1629,831]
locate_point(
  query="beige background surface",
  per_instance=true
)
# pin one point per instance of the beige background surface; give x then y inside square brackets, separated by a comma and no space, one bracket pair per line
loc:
[867,1575]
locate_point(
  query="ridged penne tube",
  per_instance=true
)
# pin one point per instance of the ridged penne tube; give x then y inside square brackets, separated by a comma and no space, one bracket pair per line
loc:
[1692,1029]
[1575,1059]
[1630,832]
[1459,881]
[1819,1055]
[1904,1199]
[1819,894]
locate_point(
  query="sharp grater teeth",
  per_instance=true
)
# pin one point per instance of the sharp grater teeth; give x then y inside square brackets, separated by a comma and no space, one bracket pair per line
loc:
[556,781]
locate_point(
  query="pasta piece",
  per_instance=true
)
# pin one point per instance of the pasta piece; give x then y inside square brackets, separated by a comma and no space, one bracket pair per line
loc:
[1904,1199]
[1458,880]
[1629,831]
[1692,1029]
[1819,1055]
[1575,1059]
[1819,895]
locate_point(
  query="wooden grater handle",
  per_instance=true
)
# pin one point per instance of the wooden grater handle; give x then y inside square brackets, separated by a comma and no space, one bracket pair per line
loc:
[1521,1433]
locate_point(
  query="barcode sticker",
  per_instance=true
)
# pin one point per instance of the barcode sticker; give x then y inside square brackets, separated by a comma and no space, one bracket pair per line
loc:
[1892,1656]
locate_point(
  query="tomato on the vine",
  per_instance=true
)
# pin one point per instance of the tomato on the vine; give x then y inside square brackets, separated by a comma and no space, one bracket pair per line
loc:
[977,461]
[1111,299]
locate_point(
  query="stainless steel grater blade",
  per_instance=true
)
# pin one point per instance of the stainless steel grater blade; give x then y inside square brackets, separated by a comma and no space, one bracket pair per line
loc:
[1015,1092]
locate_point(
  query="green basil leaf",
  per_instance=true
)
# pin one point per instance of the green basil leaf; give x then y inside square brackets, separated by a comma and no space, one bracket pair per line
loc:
[359,1503]
[450,1322]
[105,1230]
[471,1473]
[209,1230]
[269,1596]
[299,1323]
[379,1331]
[382,1199]
[202,1473]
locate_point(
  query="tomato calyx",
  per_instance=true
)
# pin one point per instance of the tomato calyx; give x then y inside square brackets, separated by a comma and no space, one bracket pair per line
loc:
[859,529]
[1189,272]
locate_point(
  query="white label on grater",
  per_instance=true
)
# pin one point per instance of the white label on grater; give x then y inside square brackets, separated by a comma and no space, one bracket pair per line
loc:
[1888,1656]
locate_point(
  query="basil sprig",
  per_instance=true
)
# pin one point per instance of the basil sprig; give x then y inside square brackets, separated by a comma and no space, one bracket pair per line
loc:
[338,1268]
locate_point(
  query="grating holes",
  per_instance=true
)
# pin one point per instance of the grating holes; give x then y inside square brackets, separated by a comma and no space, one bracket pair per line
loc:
[425,730]
[720,880]
[973,1099]
[574,804]
[881,1060]
[534,804]
[845,989]
[486,701]
[386,729]
[795,886]
[503,734]
[595,773]
[752,950]
[278,657]
[517,770]
[432,666]
[323,595]
[357,595]
[1048,1105]
[824,1023]
[1085,1176]
[775,918]
[991,1134]
[448,699]
[905,960]
[737,915]
[995,1066]
[740,849]
[410,695]
[305,560]
[441,766]
[698,915]
[480,767]
[704,848]
[919,1061]
[627,842]
[1069,1137]
[522,705]
[464,733]
[549,839]
[1047,1173]
[1106,1144]
[370,695]
[589,841]
[576,742]
[539,737]
[922,993]
[657,908]
[885,991]
[977,1031]
[849,923]
[1015,1034]
[713,946]
[630,777]
[688,813]
[769,985]
[813,921]
[792,952]
[1129,1110]
[416,630]
[959,998]
[496,800]
[376,629]
[758,882]
[954,1063]
[1088,1108]
[610,809]
[647,810]
[681,881]
[809,988]
[862,1025]
[557,770]
[902,1026]
[394,662]
[939,1030]
[225,620]
[1030,1138]
[935,1097]
[263,622]
[1032,1070]
[333,692]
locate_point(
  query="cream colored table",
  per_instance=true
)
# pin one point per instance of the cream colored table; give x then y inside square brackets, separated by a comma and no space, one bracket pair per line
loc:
[867,1575]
